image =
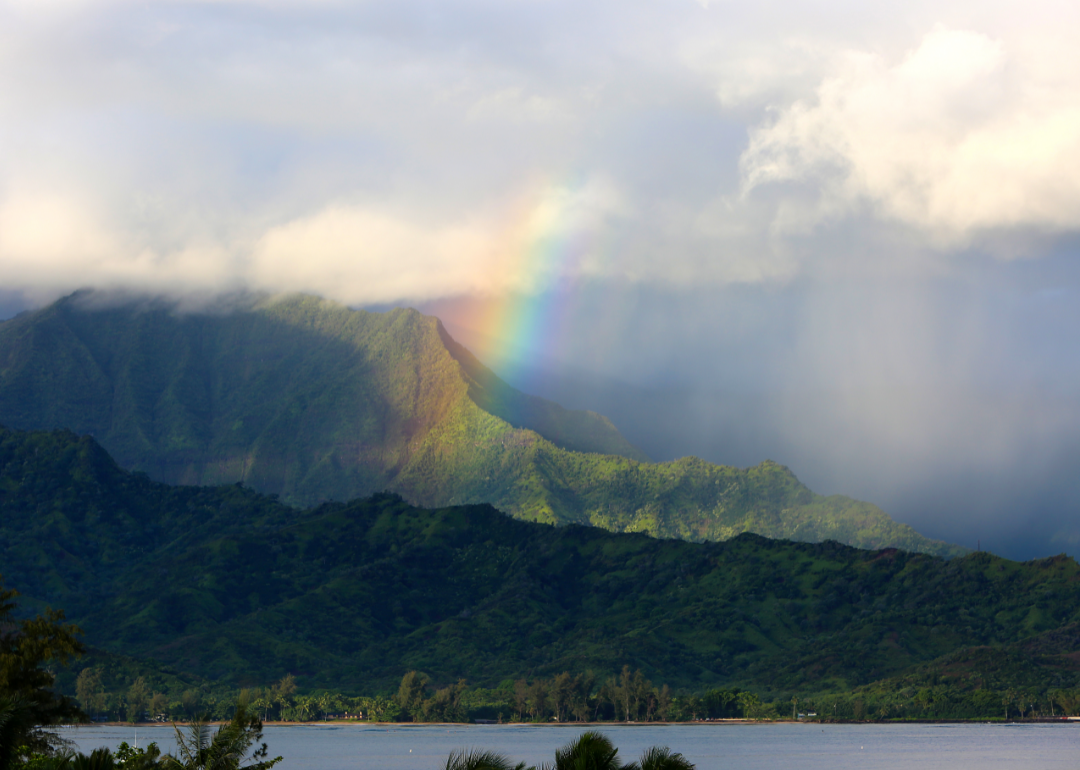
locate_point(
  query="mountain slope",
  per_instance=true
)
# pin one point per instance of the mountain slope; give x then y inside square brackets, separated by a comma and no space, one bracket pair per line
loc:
[233,586]
[312,401]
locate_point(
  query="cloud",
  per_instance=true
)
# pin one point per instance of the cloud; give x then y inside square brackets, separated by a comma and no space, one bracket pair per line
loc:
[370,256]
[962,135]
[376,254]
[736,144]
[352,252]
[51,245]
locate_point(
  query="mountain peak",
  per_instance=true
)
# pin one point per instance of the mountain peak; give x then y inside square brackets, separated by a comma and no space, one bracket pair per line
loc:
[305,398]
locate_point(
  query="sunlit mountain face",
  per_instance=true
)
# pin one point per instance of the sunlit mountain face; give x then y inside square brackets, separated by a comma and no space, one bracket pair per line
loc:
[309,400]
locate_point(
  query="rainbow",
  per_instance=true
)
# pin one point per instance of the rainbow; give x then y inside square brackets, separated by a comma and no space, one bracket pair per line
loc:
[552,240]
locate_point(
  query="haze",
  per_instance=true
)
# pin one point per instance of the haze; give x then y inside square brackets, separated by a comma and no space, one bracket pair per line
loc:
[838,235]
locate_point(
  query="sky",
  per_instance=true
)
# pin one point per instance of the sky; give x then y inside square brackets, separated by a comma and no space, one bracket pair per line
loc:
[839,235]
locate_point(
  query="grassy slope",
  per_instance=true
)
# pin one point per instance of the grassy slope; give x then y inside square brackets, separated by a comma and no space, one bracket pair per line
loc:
[233,586]
[312,401]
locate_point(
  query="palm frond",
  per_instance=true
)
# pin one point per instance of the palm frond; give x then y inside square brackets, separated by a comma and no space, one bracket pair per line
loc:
[98,759]
[662,758]
[16,722]
[479,759]
[591,751]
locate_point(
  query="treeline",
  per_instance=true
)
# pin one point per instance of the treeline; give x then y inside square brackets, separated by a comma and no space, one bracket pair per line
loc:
[566,697]
[139,702]
[583,697]
[563,698]
[942,701]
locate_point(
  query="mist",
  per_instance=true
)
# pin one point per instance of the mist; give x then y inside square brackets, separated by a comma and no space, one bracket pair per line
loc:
[950,402]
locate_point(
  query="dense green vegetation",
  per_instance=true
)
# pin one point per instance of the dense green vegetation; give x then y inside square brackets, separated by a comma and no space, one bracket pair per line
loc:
[227,585]
[312,401]
[629,696]
[234,745]
[30,649]
[583,698]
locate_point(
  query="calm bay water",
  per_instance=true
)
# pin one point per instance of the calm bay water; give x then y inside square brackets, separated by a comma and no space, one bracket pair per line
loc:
[710,747]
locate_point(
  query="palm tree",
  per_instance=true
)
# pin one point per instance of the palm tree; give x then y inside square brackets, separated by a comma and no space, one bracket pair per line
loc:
[591,751]
[227,749]
[479,759]
[98,759]
[661,758]
[17,721]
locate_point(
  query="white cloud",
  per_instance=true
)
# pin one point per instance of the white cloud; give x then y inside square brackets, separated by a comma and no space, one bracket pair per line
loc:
[48,232]
[355,253]
[50,245]
[370,256]
[961,135]
[369,253]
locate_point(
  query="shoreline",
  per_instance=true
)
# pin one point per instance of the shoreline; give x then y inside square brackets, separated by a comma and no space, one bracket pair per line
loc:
[701,723]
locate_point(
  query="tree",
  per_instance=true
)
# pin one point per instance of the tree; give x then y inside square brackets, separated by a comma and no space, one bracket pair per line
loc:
[159,704]
[479,759]
[521,697]
[584,684]
[306,707]
[643,695]
[283,692]
[16,723]
[537,699]
[230,748]
[609,693]
[260,701]
[1008,699]
[411,693]
[661,758]
[663,703]
[580,694]
[591,751]
[98,759]
[190,703]
[561,688]
[131,758]
[627,695]
[138,700]
[445,705]
[88,690]
[749,704]
[27,648]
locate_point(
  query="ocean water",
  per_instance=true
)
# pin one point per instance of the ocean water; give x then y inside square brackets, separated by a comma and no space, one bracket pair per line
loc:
[709,746]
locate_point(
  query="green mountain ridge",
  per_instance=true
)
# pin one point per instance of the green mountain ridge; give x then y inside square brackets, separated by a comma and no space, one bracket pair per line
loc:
[232,586]
[1049,660]
[312,401]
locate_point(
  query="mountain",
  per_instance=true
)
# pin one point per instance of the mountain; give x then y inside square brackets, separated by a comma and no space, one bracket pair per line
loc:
[1040,663]
[233,586]
[312,401]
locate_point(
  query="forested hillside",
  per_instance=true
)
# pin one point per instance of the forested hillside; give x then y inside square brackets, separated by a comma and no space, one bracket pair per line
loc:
[234,586]
[312,401]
